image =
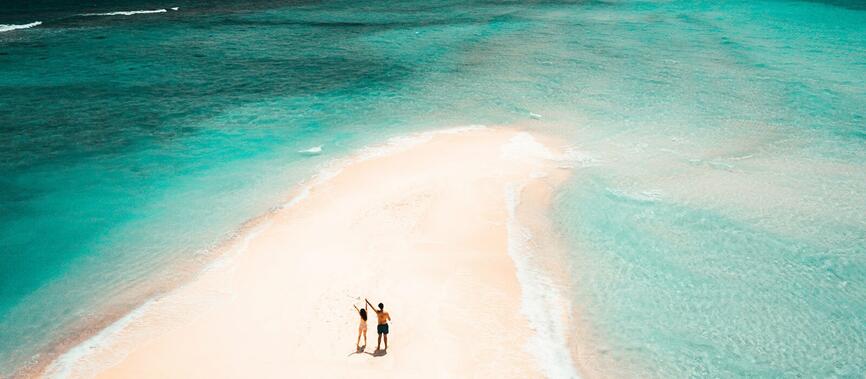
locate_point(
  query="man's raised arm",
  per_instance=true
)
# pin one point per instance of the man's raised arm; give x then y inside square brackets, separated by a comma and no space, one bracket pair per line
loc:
[371,305]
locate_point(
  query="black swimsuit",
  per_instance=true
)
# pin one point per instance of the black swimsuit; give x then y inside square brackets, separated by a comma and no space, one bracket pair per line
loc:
[382,328]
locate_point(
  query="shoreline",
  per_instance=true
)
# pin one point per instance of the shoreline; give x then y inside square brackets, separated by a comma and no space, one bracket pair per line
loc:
[234,249]
[130,301]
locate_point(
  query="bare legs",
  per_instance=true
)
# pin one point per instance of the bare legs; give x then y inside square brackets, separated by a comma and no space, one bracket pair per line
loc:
[379,343]
[364,333]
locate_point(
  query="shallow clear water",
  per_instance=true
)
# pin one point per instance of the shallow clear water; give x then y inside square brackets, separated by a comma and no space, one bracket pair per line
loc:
[718,229]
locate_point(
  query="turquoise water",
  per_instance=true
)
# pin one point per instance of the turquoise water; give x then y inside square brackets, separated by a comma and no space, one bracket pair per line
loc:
[717,231]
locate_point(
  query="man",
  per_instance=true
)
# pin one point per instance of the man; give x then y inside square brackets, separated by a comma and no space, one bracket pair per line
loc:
[383,318]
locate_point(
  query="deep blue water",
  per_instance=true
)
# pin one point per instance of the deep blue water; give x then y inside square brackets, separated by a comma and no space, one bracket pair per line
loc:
[718,230]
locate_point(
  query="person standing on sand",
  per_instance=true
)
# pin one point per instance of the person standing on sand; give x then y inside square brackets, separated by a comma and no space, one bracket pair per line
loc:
[383,318]
[362,327]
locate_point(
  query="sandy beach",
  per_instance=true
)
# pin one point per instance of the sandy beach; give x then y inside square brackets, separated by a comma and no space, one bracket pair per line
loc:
[422,225]
[534,189]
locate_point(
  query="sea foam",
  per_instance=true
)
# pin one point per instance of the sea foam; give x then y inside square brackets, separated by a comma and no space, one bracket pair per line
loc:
[313,150]
[542,303]
[6,28]
[79,361]
[126,13]
[62,367]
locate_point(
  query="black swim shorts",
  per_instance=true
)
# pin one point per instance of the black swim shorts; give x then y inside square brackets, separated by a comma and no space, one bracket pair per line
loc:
[382,328]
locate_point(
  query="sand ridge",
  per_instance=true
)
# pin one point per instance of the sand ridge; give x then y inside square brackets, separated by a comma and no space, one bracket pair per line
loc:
[422,229]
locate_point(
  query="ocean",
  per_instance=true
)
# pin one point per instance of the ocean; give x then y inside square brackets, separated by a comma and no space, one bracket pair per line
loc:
[714,226]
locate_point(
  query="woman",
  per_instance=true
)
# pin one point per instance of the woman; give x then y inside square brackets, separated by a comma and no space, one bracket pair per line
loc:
[362,327]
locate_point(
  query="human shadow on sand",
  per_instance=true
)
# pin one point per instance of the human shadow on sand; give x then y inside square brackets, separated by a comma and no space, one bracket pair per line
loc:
[358,350]
[376,353]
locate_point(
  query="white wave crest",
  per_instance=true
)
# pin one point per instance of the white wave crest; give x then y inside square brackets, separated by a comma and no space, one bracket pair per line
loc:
[125,13]
[6,28]
[542,303]
[312,151]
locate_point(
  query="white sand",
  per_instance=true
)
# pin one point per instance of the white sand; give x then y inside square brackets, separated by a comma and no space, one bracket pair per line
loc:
[423,230]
